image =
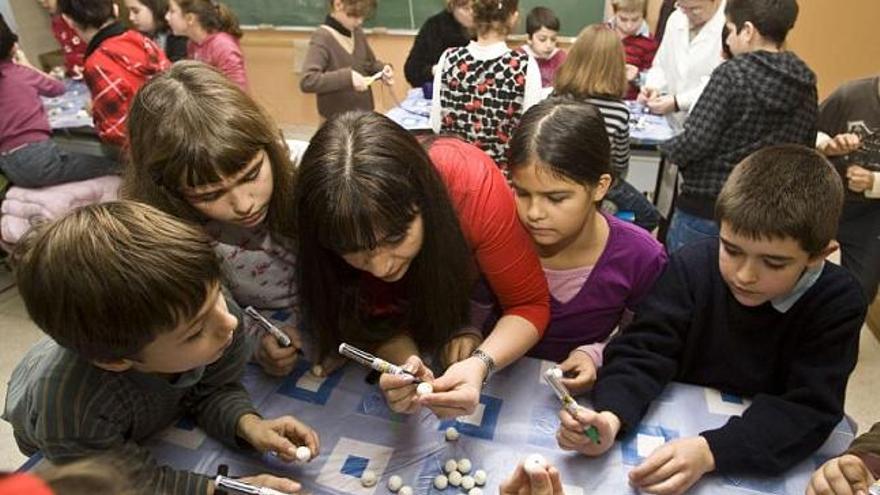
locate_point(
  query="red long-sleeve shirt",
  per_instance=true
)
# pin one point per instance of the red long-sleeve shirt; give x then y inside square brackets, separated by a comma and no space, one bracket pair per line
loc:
[501,247]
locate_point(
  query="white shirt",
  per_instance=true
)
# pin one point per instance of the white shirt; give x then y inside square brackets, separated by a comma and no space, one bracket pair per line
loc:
[682,66]
[482,53]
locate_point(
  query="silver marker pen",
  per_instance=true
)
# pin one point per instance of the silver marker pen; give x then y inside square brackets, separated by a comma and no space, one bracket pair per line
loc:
[239,486]
[370,361]
[281,337]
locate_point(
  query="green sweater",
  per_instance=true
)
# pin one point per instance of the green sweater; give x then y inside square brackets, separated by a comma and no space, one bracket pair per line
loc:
[67,408]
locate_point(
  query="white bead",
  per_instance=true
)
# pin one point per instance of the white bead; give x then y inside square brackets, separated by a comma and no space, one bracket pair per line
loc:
[451,434]
[467,482]
[368,478]
[534,463]
[455,478]
[317,370]
[480,477]
[475,491]
[441,482]
[450,466]
[394,483]
[406,490]
[424,388]
[303,454]
[464,465]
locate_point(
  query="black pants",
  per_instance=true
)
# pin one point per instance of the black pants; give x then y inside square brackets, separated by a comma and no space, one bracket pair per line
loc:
[859,237]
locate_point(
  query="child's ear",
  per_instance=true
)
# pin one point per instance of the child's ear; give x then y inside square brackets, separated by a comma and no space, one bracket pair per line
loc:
[115,366]
[602,187]
[832,246]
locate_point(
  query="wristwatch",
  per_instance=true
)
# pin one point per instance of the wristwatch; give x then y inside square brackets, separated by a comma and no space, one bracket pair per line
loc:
[874,489]
[487,360]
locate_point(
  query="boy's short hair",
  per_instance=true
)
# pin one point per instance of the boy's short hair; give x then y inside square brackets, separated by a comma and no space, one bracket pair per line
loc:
[630,6]
[105,279]
[772,18]
[783,191]
[541,17]
[87,13]
[358,8]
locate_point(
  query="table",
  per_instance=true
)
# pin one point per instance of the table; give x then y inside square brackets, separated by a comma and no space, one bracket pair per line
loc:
[72,127]
[517,415]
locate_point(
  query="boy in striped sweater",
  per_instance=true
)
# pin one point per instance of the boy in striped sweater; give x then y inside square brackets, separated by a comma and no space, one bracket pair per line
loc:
[141,334]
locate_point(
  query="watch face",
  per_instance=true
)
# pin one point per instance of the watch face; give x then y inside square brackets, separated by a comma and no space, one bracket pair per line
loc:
[874,489]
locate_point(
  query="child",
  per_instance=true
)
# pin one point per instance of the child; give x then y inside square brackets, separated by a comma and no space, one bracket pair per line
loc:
[854,471]
[118,62]
[340,65]
[481,90]
[598,267]
[148,17]
[756,313]
[849,119]
[690,51]
[28,157]
[763,96]
[391,240]
[542,28]
[448,29]
[629,24]
[213,32]
[235,179]
[72,45]
[133,347]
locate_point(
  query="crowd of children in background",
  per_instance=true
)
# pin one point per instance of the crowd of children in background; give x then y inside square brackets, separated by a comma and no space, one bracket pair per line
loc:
[495,238]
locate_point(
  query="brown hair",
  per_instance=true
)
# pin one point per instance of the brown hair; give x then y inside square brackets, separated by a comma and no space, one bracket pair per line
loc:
[189,127]
[493,15]
[212,15]
[102,475]
[630,6]
[105,279]
[453,4]
[541,17]
[158,8]
[783,191]
[357,8]
[596,65]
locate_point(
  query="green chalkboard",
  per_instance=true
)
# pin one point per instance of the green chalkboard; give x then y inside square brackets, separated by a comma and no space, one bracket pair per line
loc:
[402,14]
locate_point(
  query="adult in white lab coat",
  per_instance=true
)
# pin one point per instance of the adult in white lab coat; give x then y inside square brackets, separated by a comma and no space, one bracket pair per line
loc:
[689,52]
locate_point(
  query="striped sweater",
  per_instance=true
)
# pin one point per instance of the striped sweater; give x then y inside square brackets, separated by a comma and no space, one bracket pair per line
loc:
[68,409]
[616,116]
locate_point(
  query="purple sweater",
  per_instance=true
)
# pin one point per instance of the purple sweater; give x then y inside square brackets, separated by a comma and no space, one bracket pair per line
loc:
[22,118]
[623,275]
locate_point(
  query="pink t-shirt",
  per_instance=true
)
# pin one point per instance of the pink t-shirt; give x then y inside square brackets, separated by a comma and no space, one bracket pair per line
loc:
[223,51]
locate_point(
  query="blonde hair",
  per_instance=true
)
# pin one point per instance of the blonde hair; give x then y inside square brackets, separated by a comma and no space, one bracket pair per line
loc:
[630,6]
[596,65]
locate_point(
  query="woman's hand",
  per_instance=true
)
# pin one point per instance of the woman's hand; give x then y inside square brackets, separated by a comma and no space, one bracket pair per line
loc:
[400,391]
[457,392]
[460,347]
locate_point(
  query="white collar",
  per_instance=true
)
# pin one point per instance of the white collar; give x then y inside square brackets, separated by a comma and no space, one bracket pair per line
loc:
[807,280]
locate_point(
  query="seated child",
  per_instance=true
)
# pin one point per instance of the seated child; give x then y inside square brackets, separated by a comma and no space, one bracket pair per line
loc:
[340,63]
[764,95]
[140,334]
[148,17]
[448,29]
[598,267]
[214,34]
[233,178]
[629,24]
[756,313]
[481,90]
[853,472]
[118,62]
[72,45]
[28,157]
[542,28]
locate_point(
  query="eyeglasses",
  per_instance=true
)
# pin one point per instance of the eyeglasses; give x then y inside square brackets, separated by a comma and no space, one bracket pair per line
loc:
[690,10]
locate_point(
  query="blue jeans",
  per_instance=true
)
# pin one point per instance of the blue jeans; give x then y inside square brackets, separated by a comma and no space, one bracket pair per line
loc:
[624,197]
[686,228]
[859,237]
[43,164]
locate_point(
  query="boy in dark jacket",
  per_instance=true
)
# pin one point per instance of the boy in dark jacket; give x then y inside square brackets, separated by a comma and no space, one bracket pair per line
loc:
[448,29]
[756,312]
[118,62]
[761,97]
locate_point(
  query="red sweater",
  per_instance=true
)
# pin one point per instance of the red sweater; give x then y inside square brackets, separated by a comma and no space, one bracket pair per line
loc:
[118,63]
[487,215]
[71,44]
[640,51]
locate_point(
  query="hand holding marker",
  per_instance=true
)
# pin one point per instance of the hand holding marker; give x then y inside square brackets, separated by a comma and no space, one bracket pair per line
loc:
[370,361]
[242,487]
[553,377]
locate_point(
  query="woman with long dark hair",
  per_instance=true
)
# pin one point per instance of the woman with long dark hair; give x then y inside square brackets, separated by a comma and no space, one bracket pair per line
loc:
[393,237]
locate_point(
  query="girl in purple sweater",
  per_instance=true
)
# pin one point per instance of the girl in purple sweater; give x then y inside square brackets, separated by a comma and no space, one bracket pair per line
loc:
[597,267]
